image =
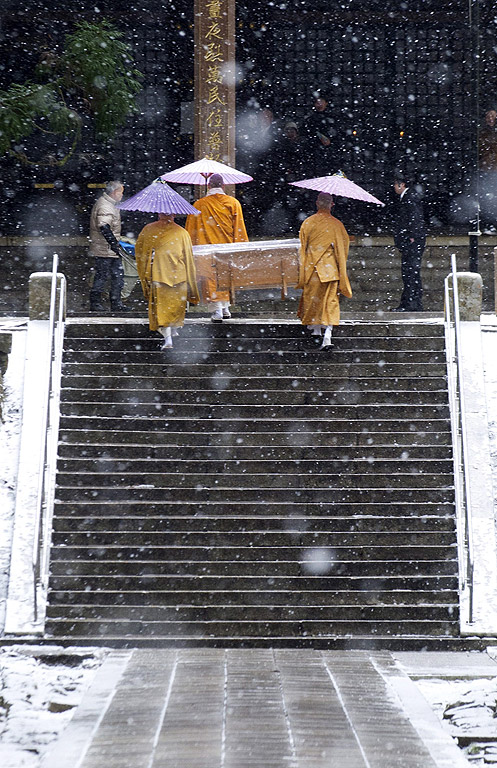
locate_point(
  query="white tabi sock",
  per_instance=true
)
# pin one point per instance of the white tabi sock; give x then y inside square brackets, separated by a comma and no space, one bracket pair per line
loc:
[327,337]
[217,315]
[165,331]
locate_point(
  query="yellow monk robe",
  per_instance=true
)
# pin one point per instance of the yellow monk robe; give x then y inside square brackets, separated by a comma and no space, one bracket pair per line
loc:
[324,248]
[166,269]
[220,221]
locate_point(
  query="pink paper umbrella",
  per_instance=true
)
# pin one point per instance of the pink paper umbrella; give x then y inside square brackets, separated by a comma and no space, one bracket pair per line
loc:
[338,184]
[158,197]
[201,170]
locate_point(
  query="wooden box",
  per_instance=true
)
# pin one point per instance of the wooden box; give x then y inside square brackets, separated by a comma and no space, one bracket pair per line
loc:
[258,264]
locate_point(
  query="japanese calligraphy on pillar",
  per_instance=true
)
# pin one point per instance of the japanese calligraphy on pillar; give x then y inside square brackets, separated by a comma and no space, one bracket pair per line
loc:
[215,80]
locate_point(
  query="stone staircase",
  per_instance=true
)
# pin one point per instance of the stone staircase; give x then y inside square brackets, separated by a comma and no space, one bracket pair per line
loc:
[246,489]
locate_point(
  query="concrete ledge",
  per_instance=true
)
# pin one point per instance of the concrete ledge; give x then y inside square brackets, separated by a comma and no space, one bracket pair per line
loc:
[20,618]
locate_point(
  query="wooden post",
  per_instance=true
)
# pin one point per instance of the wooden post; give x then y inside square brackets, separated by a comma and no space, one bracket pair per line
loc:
[215,80]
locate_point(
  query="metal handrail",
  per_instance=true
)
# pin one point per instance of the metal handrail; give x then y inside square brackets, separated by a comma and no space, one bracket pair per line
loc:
[41,521]
[461,452]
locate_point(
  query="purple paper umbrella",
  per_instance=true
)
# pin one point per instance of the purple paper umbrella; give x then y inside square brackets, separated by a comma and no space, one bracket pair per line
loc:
[338,184]
[158,197]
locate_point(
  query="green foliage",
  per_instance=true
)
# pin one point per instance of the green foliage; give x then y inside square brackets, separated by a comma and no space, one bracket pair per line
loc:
[98,63]
[20,107]
[95,73]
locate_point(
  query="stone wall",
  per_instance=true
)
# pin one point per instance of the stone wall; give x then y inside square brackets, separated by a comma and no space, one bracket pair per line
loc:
[374,272]
[20,257]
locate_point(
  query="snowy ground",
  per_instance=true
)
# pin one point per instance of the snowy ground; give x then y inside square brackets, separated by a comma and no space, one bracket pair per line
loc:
[467,709]
[38,695]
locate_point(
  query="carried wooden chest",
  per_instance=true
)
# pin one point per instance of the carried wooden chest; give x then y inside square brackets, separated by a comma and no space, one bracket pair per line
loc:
[257,264]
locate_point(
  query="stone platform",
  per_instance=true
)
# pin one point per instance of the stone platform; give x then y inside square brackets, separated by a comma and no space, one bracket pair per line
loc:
[373,266]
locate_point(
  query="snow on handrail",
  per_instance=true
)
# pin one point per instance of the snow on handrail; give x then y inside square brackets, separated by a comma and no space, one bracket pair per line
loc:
[41,533]
[460,439]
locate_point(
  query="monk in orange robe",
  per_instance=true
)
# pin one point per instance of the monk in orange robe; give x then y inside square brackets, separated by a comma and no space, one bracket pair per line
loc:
[164,260]
[220,221]
[324,248]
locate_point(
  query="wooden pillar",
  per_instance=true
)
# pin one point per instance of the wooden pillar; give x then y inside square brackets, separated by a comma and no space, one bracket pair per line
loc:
[215,80]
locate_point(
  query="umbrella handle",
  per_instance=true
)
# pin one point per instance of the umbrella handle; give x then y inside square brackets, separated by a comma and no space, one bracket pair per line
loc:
[206,177]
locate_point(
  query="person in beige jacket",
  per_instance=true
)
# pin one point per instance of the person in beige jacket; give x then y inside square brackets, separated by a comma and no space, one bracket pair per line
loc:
[324,248]
[105,231]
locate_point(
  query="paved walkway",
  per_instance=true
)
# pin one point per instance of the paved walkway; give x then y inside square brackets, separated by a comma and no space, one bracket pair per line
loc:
[209,708]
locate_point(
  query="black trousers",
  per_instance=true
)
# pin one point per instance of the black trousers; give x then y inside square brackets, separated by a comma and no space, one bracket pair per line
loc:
[412,295]
[105,268]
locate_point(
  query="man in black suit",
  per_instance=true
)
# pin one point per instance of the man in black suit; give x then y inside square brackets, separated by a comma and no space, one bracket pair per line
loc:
[322,133]
[410,239]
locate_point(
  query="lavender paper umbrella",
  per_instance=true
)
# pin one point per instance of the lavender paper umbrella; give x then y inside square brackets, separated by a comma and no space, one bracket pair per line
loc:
[158,197]
[338,184]
[201,170]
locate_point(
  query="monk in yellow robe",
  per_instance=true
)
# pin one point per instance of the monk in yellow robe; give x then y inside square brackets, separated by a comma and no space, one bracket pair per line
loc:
[220,221]
[164,260]
[324,248]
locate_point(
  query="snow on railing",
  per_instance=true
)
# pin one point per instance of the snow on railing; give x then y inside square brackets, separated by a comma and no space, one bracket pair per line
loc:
[459,431]
[46,472]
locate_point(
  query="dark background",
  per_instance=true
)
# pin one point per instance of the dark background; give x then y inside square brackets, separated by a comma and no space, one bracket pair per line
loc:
[403,73]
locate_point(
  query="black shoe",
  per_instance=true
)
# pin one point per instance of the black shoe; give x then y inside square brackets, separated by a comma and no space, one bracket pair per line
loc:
[97,308]
[120,308]
[399,309]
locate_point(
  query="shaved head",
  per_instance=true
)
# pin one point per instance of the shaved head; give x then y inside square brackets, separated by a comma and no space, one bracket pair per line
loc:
[216,180]
[324,201]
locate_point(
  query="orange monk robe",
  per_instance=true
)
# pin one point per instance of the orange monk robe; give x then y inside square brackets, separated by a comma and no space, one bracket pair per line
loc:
[324,248]
[220,221]
[166,269]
